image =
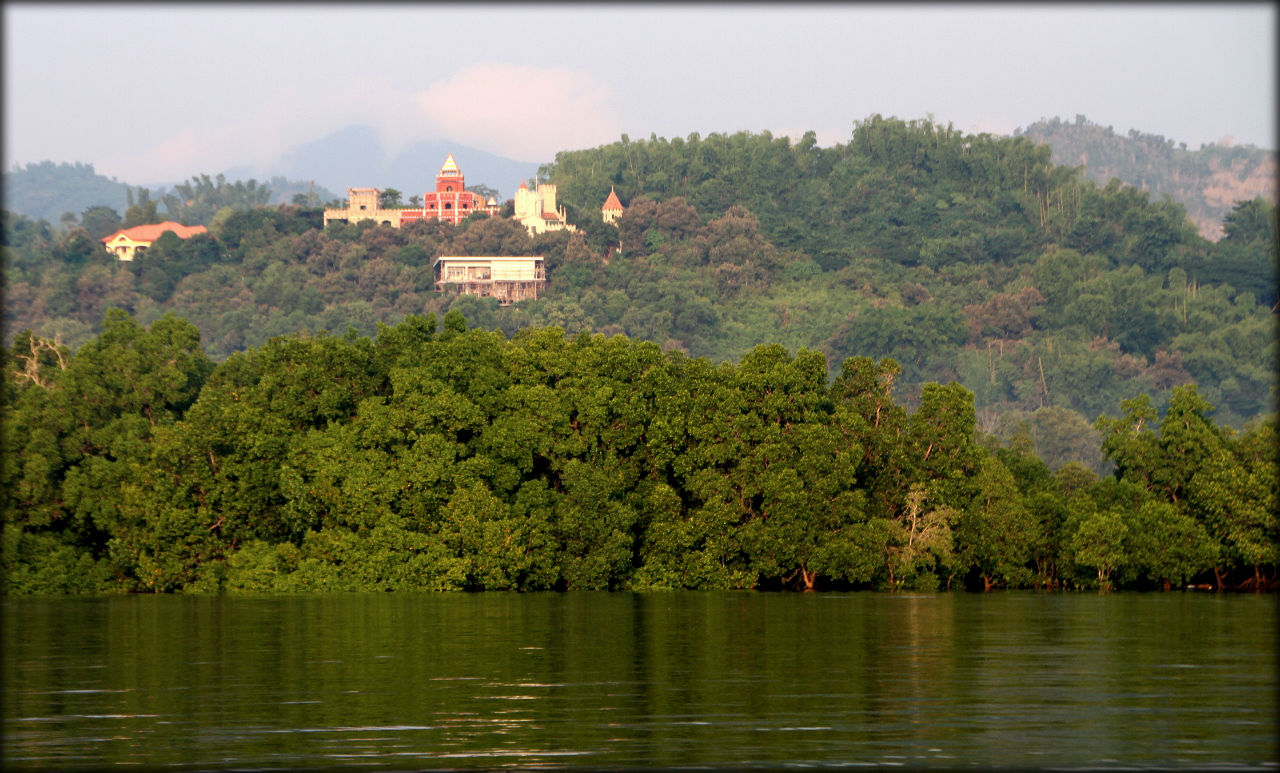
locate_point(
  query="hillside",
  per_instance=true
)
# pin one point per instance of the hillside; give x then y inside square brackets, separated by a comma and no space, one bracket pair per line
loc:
[47,191]
[966,258]
[1208,181]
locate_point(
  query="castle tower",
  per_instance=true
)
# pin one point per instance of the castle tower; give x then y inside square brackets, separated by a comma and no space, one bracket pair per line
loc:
[450,179]
[451,201]
[612,209]
[527,205]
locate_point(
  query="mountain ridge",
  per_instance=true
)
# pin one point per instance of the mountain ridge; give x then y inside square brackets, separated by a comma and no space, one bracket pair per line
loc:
[1207,181]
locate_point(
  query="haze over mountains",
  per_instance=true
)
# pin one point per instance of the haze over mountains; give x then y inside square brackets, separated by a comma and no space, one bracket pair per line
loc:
[1206,181]
[354,157]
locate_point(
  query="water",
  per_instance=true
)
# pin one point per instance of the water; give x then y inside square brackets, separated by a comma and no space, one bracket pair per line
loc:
[597,680]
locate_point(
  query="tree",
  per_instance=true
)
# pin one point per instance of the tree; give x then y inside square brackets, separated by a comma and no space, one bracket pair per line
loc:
[1168,547]
[389,198]
[1098,543]
[99,221]
[142,213]
[995,533]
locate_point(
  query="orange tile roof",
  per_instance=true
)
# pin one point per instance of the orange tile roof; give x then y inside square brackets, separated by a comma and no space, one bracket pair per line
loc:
[151,232]
[612,202]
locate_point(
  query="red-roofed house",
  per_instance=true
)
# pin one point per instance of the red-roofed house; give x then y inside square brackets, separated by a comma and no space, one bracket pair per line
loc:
[128,242]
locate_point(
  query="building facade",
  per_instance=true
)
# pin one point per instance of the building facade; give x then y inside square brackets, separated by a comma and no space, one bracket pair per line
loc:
[509,279]
[128,243]
[537,211]
[450,202]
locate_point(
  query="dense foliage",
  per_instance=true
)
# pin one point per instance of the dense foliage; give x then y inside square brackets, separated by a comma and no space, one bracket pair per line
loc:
[962,257]
[461,459]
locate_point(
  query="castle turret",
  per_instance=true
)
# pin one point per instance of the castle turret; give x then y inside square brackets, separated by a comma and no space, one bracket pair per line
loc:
[612,209]
[450,178]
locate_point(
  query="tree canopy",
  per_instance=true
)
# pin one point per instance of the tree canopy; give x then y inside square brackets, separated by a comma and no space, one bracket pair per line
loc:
[449,458]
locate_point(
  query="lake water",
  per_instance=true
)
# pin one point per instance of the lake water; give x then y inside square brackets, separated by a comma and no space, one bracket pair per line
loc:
[598,680]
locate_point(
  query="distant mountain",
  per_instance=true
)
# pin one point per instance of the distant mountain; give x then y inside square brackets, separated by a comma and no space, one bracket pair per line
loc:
[46,190]
[1208,181]
[354,157]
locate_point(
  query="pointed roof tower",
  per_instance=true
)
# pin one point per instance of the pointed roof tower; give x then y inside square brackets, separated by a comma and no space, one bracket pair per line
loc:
[612,202]
[450,168]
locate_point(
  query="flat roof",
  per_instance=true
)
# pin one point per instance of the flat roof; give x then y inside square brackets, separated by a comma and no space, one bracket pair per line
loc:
[487,258]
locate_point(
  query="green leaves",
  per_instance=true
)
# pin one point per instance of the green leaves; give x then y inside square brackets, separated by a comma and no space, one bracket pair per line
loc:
[469,461]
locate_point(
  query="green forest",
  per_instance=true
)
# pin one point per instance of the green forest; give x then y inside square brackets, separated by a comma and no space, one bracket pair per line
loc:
[912,257]
[1207,181]
[460,459]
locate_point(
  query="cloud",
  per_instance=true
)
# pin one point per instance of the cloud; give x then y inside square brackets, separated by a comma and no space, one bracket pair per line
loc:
[523,112]
[189,152]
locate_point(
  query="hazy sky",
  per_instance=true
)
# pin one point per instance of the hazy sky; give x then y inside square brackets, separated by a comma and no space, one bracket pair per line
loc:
[159,92]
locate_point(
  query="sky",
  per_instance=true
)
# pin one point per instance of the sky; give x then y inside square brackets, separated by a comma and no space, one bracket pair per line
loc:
[159,92]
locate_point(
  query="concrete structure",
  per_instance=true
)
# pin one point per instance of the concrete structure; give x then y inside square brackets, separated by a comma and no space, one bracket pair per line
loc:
[612,209]
[537,210]
[363,204]
[128,243]
[509,279]
[450,202]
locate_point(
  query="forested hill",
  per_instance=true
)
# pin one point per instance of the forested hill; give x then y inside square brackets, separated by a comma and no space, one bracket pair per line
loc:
[59,193]
[1208,181]
[962,257]
[46,190]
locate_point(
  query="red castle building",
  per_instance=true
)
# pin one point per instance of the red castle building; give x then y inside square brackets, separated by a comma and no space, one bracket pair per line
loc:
[450,202]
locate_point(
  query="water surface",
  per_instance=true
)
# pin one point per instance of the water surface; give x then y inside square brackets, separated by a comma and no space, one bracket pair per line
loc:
[598,680]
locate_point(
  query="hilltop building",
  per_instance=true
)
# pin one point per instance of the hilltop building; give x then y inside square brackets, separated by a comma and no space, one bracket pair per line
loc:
[612,209]
[450,202]
[509,279]
[537,210]
[128,243]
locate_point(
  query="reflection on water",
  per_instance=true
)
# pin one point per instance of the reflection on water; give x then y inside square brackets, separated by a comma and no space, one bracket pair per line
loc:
[590,680]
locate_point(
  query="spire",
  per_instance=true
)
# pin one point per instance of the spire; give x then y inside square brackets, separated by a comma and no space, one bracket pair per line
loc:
[612,202]
[450,168]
